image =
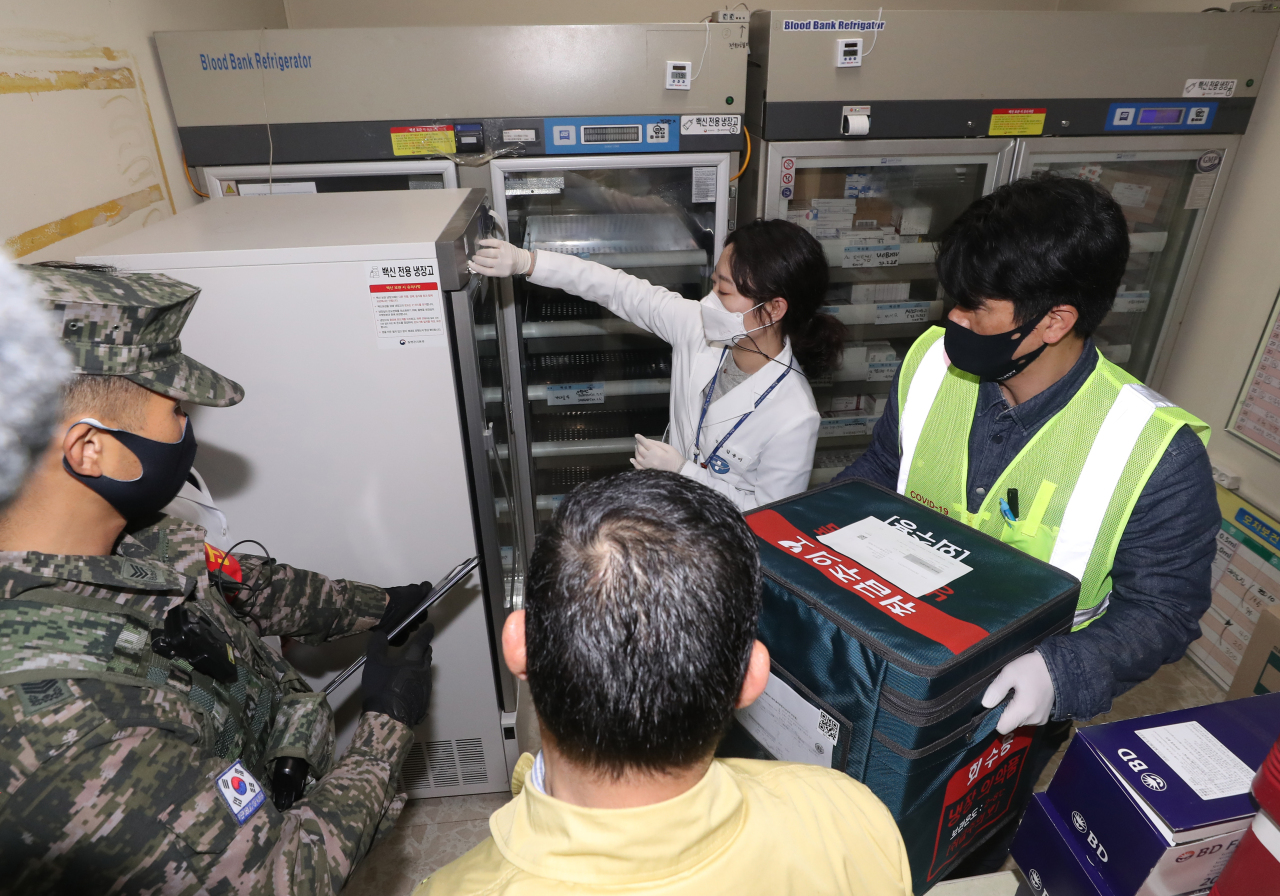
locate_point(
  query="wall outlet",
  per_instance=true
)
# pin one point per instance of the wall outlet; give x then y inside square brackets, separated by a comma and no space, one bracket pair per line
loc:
[1225,478]
[738,17]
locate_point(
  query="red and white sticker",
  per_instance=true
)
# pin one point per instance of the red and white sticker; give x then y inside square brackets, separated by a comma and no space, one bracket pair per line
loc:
[407,306]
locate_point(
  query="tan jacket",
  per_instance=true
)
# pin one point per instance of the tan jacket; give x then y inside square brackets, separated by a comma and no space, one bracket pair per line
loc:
[746,827]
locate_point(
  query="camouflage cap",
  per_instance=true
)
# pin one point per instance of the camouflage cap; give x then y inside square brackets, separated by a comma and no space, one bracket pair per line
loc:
[125,324]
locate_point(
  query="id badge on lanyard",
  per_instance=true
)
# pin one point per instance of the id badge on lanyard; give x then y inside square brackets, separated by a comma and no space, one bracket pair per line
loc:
[715,462]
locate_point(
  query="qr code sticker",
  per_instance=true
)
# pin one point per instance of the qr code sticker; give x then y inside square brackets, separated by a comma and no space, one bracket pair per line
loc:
[828,726]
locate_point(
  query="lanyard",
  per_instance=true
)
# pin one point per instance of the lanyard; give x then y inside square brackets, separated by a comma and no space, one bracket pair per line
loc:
[714,460]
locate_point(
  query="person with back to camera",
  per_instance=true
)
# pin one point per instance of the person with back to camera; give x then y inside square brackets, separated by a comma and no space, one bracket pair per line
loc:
[743,419]
[1011,420]
[637,639]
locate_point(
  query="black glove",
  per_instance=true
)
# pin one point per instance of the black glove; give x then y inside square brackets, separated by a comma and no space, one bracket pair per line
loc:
[399,687]
[401,601]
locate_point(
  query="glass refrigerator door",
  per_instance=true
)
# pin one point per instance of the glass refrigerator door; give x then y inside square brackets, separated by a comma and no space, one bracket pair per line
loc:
[1168,188]
[326,177]
[592,380]
[487,416]
[877,207]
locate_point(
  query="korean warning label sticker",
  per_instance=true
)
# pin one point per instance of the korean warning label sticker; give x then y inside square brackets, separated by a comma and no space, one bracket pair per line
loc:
[1016,122]
[240,791]
[424,140]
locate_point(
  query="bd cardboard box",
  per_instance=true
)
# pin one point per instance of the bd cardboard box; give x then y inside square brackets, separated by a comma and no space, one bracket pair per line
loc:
[1259,671]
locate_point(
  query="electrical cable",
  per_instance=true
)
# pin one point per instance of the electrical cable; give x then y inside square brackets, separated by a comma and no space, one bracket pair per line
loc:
[747,160]
[706,43]
[230,588]
[874,37]
[190,182]
[271,145]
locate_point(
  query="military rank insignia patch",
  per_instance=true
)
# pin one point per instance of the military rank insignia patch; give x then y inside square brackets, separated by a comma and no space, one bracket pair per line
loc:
[38,696]
[240,791]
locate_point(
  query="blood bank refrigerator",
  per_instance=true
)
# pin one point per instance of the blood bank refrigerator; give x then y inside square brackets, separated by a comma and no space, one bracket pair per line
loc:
[875,129]
[620,143]
[363,448]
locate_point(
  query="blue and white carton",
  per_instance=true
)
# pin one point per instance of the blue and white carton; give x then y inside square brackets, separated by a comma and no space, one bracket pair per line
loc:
[1048,858]
[1156,805]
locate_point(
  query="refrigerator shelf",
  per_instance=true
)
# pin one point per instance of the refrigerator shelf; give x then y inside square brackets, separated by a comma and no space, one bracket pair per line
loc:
[910,253]
[560,328]
[924,253]
[596,365]
[617,240]
[612,389]
[542,502]
[586,446]
[892,312]
[553,329]
[915,271]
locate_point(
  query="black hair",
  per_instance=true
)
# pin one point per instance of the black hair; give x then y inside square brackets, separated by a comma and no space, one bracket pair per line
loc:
[1038,242]
[641,610]
[776,258]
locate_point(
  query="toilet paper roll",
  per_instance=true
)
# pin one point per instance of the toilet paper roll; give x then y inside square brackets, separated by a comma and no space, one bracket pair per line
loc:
[856,125]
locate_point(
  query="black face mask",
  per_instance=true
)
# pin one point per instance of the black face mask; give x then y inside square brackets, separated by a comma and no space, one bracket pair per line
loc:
[165,466]
[989,357]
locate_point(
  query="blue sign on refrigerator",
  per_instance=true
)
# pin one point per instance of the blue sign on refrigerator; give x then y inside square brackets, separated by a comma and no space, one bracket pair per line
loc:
[613,133]
[1139,118]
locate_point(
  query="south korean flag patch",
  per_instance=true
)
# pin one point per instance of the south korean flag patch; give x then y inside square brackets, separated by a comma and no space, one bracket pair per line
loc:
[240,791]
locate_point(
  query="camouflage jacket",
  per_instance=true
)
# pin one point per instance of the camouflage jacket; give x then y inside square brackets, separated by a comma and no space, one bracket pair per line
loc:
[104,787]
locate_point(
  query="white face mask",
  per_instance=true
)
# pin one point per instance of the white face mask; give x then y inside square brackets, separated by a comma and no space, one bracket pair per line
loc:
[722,325]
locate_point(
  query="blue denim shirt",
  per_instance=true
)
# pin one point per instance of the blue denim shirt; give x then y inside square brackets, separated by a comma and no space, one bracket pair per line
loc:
[1160,580]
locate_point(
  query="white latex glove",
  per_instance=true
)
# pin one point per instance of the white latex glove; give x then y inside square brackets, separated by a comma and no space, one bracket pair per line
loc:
[654,455]
[1028,678]
[498,258]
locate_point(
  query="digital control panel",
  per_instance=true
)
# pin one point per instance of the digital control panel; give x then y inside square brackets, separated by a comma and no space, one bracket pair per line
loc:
[1133,117]
[618,133]
[848,52]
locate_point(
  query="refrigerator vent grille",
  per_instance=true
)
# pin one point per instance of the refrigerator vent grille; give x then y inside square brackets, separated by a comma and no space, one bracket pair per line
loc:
[471,761]
[445,763]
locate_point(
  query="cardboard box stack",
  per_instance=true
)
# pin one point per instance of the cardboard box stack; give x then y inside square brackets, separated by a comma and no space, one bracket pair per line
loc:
[1245,582]
[1153,806]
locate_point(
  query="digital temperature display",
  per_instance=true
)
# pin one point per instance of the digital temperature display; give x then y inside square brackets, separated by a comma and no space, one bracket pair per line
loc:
[1161,116]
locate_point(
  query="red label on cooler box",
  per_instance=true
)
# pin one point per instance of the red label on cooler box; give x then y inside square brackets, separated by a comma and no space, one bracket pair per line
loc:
[979,795]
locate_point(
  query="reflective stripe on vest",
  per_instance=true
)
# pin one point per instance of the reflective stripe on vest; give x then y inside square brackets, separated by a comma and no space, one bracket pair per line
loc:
[924,388]
[1082,520]
[1076,496]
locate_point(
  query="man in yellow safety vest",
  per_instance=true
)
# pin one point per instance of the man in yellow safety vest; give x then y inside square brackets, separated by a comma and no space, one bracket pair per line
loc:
[1010,418]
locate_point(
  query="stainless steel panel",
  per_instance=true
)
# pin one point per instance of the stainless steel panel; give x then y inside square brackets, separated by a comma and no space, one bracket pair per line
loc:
[482,393]
[488,71]
[941,54]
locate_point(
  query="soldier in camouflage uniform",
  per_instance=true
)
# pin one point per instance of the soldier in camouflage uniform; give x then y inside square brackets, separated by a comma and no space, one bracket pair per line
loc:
[127,770]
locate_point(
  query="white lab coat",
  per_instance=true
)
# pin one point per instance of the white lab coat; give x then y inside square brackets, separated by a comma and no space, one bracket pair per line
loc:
[771,455]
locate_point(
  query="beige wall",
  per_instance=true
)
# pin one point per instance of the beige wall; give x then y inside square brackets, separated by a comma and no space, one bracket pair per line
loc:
[374,13]
[89,148]
[1232,300]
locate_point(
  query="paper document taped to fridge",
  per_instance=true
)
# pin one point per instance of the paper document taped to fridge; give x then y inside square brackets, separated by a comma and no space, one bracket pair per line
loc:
[910,564]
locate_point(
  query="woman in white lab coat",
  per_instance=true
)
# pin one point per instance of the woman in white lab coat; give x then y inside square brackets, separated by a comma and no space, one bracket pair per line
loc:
[743,419]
